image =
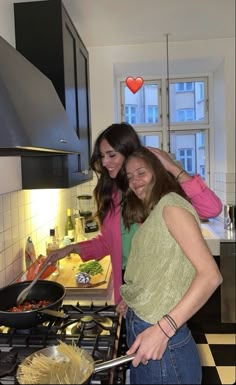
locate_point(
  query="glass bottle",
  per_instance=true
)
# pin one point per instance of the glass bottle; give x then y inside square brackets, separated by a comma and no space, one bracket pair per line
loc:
[69,226]
[53,244]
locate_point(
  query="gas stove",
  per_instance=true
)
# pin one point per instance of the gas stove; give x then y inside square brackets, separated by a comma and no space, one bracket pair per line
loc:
[96,329]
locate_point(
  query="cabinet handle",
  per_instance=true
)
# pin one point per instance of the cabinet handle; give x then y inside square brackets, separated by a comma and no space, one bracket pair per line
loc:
[63,141]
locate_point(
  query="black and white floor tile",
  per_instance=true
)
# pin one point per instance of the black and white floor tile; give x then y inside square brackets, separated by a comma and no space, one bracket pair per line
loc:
[218,357]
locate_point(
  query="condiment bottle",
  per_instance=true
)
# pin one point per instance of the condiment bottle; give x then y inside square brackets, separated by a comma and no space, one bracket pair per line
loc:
[53,244]
[69,226]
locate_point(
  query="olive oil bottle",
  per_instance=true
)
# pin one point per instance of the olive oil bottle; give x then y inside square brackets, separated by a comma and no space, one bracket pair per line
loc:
[69,226]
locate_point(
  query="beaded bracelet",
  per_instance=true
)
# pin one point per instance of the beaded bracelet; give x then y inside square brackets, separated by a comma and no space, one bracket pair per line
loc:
[158,323]
[179,175]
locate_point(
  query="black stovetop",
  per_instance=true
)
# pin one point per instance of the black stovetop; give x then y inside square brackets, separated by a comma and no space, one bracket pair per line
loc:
[94,328]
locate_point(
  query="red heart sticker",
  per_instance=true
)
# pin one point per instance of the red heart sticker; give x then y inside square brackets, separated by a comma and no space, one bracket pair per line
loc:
[134,84]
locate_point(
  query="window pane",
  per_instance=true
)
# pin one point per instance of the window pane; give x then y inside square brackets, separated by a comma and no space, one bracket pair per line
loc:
[190,151]
[187,101]
[150,140]
[145,104]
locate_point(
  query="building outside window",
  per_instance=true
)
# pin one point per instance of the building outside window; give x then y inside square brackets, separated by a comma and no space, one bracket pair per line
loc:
[152,114]
[130,114]
[185,115]
[185,156]
[202,171]
[184,87]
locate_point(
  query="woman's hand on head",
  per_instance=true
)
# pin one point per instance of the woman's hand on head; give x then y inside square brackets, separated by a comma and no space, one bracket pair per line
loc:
[169,164]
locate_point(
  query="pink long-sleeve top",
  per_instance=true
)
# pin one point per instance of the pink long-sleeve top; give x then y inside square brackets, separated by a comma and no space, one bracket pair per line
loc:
[109,241]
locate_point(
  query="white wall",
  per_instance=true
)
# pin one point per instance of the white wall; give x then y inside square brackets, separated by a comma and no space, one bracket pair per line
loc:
[7,29]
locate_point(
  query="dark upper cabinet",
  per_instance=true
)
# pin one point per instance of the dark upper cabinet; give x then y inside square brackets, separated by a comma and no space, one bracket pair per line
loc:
[46,36]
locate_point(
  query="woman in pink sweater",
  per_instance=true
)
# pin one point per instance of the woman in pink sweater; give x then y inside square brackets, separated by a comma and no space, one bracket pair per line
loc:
[111,148]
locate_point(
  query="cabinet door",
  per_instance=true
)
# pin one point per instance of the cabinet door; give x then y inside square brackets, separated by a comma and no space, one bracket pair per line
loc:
[46,35]
[83,106]
[77,95]
[228,288]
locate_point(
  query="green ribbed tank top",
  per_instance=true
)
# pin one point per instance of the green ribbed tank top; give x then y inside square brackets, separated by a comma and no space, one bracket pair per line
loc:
[158,273]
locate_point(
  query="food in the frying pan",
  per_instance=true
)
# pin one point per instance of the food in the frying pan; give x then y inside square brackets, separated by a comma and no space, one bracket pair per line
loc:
[29,305]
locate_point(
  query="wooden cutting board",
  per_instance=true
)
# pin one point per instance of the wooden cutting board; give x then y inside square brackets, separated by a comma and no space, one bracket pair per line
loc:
[69,268]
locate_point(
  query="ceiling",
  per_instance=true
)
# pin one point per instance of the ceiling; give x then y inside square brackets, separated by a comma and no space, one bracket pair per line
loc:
[125,22]
[131,22]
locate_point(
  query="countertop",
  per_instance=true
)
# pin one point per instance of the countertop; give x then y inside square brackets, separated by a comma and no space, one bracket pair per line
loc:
[214,233]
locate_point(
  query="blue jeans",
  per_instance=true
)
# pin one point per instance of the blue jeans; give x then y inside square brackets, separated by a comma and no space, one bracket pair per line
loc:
[180,363]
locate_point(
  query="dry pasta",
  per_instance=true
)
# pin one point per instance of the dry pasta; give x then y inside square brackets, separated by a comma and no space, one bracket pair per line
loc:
[71,366]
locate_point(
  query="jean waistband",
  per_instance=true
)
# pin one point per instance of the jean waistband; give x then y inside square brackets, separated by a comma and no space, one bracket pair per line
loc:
[131,316]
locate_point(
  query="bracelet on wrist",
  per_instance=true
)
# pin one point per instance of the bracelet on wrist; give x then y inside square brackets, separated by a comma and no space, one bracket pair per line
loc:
[158,323]
[170,321]
[179,175]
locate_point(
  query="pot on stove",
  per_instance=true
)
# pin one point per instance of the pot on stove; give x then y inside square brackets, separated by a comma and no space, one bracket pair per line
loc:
[52,291]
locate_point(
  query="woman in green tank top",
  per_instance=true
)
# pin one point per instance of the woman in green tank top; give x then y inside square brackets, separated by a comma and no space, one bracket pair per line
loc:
[170,274]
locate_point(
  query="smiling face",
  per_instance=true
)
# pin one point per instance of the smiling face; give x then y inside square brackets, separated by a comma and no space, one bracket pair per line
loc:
[139,176]
[111,160]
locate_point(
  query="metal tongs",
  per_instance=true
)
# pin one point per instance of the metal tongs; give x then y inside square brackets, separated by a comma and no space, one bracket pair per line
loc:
[24,293]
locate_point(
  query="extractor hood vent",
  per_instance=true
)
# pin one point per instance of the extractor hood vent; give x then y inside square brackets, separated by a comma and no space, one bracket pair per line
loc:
[32,117]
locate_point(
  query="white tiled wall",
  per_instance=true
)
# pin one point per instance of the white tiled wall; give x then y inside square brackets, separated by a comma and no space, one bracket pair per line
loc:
[225,188]
[32,213]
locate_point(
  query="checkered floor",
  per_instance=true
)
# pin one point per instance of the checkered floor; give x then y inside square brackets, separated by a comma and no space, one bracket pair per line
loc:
[218,357]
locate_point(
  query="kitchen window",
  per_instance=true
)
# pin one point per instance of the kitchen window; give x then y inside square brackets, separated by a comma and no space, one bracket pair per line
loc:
[186,133]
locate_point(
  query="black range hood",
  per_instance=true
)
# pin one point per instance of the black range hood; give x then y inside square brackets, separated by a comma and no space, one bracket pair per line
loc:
[33,120]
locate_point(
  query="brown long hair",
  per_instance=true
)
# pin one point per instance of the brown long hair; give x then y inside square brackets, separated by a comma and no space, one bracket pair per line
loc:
[134,210]
[123,138]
